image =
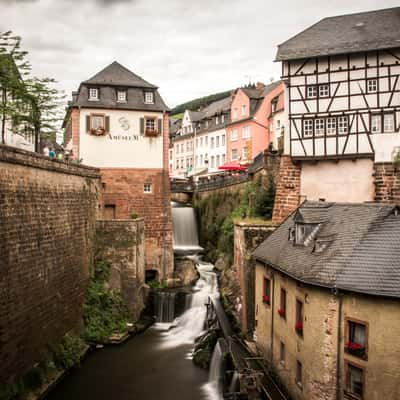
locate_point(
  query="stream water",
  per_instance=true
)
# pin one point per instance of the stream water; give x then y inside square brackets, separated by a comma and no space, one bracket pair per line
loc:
[156,365]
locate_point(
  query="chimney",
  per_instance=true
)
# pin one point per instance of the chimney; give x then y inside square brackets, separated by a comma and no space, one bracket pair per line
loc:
[260,85]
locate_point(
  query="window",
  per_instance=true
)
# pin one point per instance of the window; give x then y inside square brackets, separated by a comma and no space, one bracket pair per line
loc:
[212,143]
[234,154]
[151,126]
[222,118]
[217,141]
[235,111]
[246,132]
[323,90]
[282,353]
[223,159]
[217,164]
[147,187]
[109,211]
[308,128]
[274,105]
[201,159]
[197,143]
[354,381]
[93,94]
[206,141]
[376,123]
[372,85]
[311,91]
[201,142]
[343,125]
[282,308]
[278,124]
[206,158]
[244,110]
[216,120]
[319,127]
[97,122]
[149,97]
[356,339]
[267,291]
[299,373]
[244,153]
[212,161]
[223,140]
[299,317]
[331,126]
[388,122]
[121,96]
[234,135]
[197,161]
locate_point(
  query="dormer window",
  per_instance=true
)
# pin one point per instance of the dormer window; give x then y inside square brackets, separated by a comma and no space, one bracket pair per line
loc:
[93,94]
[301,232]
[121,96]
[149,97]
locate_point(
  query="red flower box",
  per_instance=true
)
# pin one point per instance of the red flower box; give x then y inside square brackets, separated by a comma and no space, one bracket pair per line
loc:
[282,312]
[354,346]
[299,326]
[266,299]
[151,133]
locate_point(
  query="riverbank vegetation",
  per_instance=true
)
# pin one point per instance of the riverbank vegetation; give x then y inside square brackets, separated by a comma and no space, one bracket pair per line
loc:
[218,212]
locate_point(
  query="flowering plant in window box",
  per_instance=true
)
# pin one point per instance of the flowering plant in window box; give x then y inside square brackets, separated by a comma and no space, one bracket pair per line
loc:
[356,349]
[98,131]
[282,312]
[151,132]
[266,299]
[299,327]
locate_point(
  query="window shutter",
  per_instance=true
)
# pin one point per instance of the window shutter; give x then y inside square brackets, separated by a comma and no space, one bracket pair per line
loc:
[87,123]
[107,122]
[142,126]
[159,125]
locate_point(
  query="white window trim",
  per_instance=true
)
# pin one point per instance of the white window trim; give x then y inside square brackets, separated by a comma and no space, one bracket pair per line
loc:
[148,188]
[93,98]
[146,99]
[124,99]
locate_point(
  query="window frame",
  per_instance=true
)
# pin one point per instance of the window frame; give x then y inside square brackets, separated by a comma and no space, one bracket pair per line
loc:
[97,97]
[234,135]
[282,303]
[312,91]
[246,132]
[149,186]
[330,126]
[125,98]
[151,132]
[372,88]
[317,131]
[346,390]
[146,100]
[348,321]
[297,328]
[340,127]
[323,94]
[266,297]
[232,150]
[310,122]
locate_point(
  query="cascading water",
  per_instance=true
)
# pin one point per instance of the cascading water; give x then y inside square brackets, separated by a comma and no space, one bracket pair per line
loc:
[214,388]
[185,239]
[165,306]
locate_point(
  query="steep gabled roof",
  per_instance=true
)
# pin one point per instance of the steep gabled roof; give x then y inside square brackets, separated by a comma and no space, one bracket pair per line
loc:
[195,115]
[116,74]
[361,254]
[366,31]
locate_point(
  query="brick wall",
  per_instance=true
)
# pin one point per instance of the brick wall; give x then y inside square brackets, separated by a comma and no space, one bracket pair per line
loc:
[121,243]
[124,189]
[387,182]
[47,225]
[287,190]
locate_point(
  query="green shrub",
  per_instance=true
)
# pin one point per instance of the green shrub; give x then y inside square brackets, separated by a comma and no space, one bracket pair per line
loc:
[68,353]
[104,312]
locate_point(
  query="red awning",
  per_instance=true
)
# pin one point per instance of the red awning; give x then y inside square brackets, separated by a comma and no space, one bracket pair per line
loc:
[234,166]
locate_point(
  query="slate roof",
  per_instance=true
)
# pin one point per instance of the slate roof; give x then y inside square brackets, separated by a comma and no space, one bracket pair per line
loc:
[362,253]
[195,115]
[116,74]
[344,34]
[108,81]
[218,107]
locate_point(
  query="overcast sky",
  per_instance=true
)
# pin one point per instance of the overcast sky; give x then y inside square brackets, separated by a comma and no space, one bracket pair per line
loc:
[189,48]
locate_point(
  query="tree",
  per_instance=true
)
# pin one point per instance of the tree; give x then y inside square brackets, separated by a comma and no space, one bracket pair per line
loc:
[13,67]
[47,110]
[29,103]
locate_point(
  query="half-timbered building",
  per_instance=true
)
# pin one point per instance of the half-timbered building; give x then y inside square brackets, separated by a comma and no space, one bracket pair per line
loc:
[343,102]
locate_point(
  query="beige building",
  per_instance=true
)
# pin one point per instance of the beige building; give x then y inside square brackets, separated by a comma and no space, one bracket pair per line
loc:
[327,301]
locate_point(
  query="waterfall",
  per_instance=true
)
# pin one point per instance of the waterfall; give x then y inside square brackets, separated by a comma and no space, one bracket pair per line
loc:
[186,328]
[185,237]
[165,306]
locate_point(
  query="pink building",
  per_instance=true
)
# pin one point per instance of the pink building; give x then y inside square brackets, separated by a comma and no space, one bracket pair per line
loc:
[249,132]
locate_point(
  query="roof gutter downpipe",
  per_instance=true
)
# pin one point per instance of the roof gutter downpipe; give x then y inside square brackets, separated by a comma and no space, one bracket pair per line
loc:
[339,296]
[272,319]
